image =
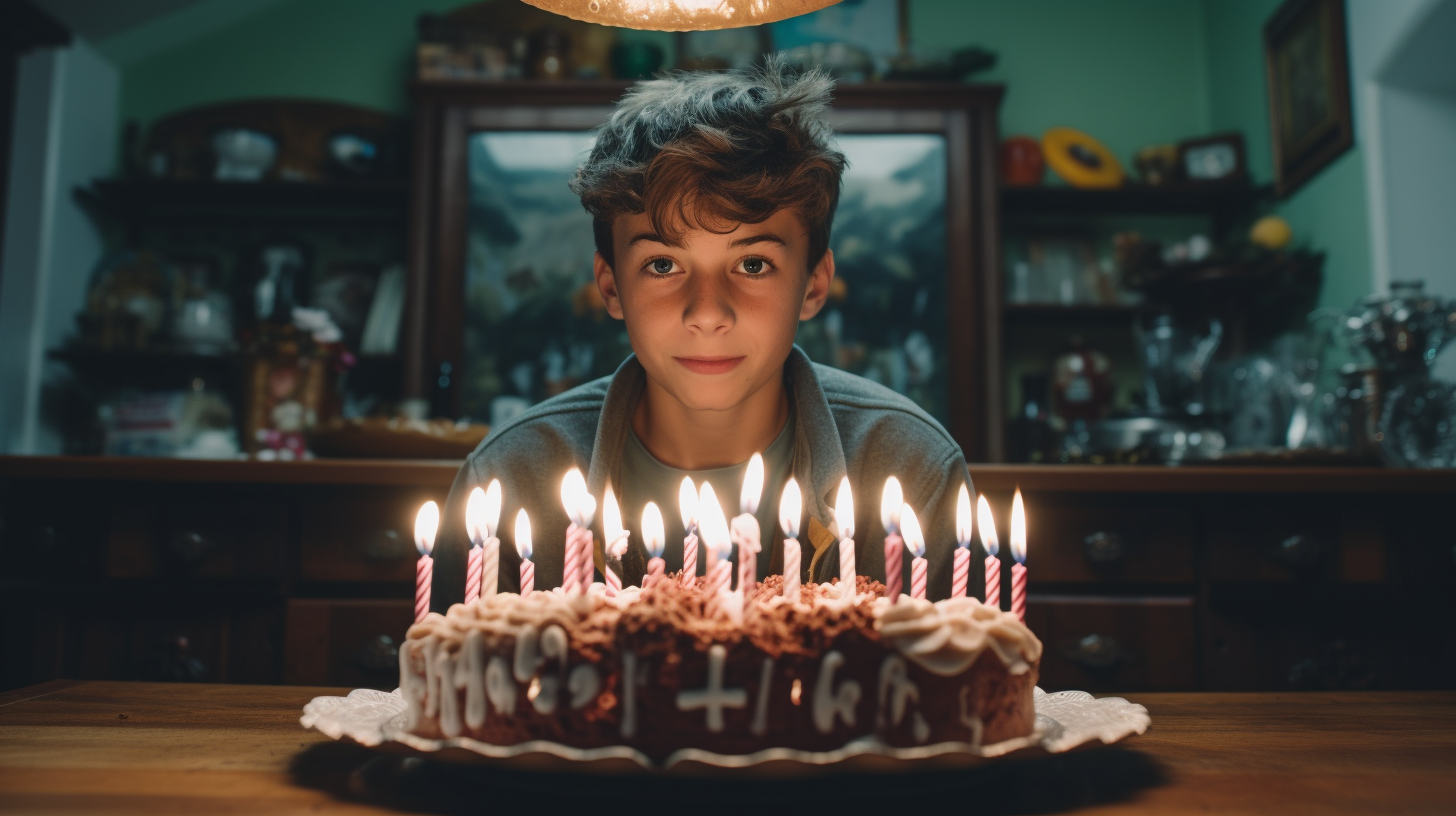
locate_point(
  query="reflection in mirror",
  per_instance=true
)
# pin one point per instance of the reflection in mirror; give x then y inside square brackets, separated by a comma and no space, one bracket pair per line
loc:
[536,326]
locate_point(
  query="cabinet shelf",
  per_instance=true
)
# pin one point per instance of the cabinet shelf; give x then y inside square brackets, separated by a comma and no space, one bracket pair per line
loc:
[195,201]
[1218,201]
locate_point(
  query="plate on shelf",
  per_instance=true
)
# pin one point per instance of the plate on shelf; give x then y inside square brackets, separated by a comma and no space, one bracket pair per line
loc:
[1064,720]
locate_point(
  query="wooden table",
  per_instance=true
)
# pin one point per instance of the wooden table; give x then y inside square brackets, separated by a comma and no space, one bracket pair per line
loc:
[77,747]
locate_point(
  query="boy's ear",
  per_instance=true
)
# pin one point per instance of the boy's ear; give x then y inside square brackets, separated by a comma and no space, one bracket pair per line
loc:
[607,285]
[818,290]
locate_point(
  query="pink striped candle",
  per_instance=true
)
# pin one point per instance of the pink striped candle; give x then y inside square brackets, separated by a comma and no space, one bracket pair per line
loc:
[427,523]
[687,503]
[844,516]
[961,564]
[482,520]
[616,543]
[523,546]
[890,503]
[745,531]
[580,506]
[653,538]
[791,507]
[993,548]
[915,541]
[473,564]
[717,544]
[1018,552]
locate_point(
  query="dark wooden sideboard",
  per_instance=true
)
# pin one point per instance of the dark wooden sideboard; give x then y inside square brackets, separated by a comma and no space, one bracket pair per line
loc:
[1141,578]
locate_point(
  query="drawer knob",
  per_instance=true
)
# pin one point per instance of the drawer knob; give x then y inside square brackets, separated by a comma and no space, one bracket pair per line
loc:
[190,547]
[170,662]
[1103,548]
[378,654]
[386,545]
[1096,652]
[1303,551]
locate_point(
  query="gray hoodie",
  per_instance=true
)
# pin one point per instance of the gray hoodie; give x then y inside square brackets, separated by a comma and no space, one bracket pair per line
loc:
[844,424]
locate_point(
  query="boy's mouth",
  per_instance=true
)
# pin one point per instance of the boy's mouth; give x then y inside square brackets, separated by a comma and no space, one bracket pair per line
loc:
[709,365]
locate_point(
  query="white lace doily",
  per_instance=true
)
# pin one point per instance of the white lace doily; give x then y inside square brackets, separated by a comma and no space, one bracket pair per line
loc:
[1064,720]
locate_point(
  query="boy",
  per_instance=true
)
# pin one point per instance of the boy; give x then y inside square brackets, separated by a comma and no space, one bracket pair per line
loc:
[712,197]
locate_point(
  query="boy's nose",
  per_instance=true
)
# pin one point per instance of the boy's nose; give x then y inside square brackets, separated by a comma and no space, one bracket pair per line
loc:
[708,309]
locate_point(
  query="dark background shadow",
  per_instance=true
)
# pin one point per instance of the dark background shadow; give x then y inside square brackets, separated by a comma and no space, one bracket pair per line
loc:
[1018,786]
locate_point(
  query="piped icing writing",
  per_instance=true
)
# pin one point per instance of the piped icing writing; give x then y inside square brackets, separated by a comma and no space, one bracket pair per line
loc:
[831,702]
[713,697]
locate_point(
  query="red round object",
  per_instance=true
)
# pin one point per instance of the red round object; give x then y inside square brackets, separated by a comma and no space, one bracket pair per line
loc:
[1022,163]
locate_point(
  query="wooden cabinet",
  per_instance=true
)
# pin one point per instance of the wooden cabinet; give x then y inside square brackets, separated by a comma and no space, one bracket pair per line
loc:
[1141,579]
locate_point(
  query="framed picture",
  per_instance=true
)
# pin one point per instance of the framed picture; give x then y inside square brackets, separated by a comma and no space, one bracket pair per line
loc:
[1306,65]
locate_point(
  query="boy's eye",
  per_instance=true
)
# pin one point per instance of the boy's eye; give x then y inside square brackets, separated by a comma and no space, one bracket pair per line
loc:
[754,266]
[661,266]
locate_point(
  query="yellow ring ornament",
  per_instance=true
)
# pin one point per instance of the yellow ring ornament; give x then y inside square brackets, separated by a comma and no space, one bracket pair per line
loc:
[1079,159]
[680,15]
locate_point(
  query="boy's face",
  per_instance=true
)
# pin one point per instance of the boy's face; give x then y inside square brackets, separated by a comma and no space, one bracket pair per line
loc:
[712,319]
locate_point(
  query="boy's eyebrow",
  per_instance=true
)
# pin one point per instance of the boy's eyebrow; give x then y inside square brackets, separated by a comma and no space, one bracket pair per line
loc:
[761,238]
[647,236]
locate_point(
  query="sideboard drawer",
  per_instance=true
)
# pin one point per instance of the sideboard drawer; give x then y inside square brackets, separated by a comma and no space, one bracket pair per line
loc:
[1279,542]
[345,642]
[359,535]
[193,537]
[1078,542]
[1114,644]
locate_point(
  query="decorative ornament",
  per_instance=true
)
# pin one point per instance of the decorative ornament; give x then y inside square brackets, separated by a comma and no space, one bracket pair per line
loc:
[680,15]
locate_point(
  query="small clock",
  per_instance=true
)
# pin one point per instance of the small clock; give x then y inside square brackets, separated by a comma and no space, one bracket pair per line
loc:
[1213,159]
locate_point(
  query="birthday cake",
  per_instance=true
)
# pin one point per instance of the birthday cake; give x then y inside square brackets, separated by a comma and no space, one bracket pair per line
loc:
[660,670]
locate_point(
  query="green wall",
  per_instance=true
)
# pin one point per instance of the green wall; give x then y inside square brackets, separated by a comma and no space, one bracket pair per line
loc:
[1329,212]
[1130,72]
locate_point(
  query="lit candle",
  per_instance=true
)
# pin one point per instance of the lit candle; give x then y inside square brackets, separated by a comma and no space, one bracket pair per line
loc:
[993,546]
[523,546]
[718,546]
[1018,552]
[427,523]
[890,503]
[580,507]
[745,532]
[961,566]
[616,537]
[844,516]
[653,537]
[791,507]
[915,540]
[687,504]
[482,514]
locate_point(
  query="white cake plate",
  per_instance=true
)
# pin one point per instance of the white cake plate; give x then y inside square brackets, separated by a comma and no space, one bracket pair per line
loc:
[1064,720]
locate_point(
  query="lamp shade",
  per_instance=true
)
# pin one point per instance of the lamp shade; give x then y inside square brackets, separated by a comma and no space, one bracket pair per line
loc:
[680,15]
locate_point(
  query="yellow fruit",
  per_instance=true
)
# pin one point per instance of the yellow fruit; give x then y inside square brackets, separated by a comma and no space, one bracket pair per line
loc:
[1271,232]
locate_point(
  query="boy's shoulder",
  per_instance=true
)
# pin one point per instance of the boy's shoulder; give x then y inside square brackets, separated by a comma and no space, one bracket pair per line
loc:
[864,408]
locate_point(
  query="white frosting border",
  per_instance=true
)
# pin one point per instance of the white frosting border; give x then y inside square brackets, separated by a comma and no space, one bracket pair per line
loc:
[1065,720]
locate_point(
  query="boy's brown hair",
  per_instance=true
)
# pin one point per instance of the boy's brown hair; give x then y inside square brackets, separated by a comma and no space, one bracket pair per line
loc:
[712,151]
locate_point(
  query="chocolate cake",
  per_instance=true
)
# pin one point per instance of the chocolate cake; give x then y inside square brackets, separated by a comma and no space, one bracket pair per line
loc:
[656,670]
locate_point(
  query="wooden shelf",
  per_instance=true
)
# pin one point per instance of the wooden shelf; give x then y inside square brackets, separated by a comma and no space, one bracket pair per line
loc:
[216,200]
[1220,200]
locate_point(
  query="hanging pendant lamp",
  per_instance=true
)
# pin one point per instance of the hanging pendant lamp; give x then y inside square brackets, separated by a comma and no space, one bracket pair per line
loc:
[680,15]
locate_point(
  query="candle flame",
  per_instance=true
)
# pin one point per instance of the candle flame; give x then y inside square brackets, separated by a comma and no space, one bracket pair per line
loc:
[652,532]
[890,503]
[752,486]
[910,531]
[612,528]
[965,522]
[523,534]
[1018,529]
[427,523]
[687,502]
[712,522]
[492,507]
[475,517]
[573,488]
[987,525]
[791,509]
[844,510]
